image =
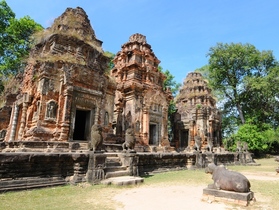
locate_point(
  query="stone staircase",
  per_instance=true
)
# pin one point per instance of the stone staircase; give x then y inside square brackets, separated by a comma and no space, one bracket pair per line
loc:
[118,174]
[114,166]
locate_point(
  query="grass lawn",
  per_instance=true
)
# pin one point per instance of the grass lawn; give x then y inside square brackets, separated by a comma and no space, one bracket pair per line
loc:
[85,196]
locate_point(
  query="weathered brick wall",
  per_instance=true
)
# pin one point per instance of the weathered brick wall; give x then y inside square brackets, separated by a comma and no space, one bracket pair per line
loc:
[150,162]
[19,165]
[5,114]
[31,170]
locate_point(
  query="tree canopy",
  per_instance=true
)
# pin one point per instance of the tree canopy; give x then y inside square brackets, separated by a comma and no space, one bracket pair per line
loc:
[230,65]
[15,40]
[245,80]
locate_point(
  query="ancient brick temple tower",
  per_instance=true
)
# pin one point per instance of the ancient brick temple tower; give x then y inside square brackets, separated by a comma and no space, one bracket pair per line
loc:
[141,101]
[197,114]
[65,89]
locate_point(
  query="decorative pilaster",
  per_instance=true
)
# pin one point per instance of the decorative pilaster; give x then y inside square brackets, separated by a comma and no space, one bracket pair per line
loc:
[65,127]
[14,123]
[26,100]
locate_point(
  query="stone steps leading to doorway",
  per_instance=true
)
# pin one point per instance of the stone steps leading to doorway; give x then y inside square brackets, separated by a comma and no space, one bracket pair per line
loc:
[116,173]
[114,166]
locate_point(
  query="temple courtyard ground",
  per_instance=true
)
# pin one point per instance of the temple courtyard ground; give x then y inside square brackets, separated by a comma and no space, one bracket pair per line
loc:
[164,191]
[177,197]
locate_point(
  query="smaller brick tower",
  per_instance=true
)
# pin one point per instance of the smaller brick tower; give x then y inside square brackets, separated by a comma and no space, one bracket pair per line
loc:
[197,114]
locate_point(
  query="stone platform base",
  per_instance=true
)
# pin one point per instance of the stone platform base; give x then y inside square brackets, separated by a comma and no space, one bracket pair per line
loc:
[29,183]
[123,180]
[243,199]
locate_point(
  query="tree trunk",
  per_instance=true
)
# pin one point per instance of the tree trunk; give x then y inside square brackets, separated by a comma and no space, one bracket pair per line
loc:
[239,109]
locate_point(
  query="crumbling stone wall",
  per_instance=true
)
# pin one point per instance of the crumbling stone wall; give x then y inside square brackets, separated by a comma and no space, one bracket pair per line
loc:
[29,170]
[152,162]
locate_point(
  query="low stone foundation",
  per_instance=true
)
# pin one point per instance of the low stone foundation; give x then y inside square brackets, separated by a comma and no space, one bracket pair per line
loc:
[159,162]
[24,170]
[29,183]
[243,199]
[30,170]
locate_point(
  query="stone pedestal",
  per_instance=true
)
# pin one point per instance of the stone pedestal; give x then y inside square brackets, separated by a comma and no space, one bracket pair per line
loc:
[242,199]
[95,173]
[191,161]
[130,160]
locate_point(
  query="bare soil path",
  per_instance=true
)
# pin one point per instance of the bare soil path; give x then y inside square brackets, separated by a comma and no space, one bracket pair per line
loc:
[176,197]
[165,198]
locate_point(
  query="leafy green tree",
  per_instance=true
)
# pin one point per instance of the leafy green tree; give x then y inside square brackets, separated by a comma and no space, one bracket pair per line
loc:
[245,81]
[111,56]
[229,66]
[260,139]
[15,40]
[174,87]
[264,105]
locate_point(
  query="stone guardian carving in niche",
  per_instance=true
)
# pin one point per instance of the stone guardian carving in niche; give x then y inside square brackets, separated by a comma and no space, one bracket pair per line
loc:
[106,120]
[51,110]
[128,120]
[198,143]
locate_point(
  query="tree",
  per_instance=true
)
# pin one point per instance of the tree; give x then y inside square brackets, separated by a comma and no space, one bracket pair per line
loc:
[260,139]
[229,66]
[172,84]
[245,81]
[264,105]
[15,40]
[111,56]
[174,87]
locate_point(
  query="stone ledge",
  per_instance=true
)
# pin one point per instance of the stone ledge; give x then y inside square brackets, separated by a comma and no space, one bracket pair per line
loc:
[29,183]
[242,199]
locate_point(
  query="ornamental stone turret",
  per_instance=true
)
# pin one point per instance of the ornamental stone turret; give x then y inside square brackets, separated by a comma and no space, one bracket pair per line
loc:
[141,101]
[197,115]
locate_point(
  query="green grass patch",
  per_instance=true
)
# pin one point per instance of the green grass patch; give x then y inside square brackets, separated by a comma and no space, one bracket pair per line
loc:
[192,177]
[83,196]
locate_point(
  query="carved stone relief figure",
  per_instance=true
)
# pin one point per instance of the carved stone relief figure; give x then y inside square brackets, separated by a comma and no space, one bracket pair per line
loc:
[51,110]
[106,121]
[137,126]
[128,120]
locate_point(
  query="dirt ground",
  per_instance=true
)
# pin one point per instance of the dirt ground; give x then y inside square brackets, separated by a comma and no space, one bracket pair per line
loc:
[174,197]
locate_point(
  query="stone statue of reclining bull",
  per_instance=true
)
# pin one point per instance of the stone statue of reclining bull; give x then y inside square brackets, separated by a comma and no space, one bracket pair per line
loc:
[227,180]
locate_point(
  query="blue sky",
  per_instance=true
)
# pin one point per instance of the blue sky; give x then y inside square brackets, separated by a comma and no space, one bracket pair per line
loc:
[180,32]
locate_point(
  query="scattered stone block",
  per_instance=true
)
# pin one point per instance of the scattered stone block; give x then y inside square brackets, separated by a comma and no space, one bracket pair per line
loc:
[123,180]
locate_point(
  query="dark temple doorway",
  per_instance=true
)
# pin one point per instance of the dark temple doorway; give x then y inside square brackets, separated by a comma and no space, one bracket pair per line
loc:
[82,125]
[152,134]
[184,138]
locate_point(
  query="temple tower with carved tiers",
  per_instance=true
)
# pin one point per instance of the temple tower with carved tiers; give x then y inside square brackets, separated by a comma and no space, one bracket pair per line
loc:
[196,114]
[66,88]
[141,101]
